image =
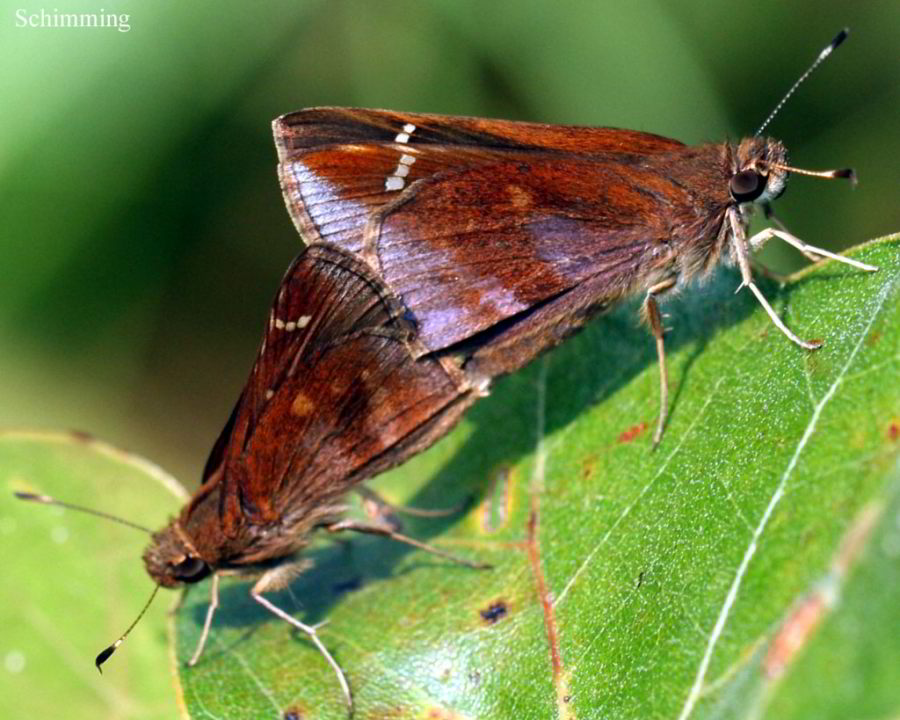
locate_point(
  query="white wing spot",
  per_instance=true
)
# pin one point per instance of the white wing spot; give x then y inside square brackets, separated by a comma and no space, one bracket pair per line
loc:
[291,325]
[395,180]
[270,394]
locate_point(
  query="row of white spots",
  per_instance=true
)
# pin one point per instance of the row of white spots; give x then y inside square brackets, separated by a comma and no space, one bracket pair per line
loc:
[287,326]
[291,325]
[396,181]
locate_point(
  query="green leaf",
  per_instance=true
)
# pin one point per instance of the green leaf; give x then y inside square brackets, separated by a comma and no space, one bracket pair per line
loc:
[72,583]
[626,583]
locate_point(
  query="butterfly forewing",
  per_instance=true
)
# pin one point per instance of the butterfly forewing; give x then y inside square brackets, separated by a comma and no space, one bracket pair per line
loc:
[338,165]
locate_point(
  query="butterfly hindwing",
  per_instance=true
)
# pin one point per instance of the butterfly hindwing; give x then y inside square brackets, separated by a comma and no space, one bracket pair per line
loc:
[334,393]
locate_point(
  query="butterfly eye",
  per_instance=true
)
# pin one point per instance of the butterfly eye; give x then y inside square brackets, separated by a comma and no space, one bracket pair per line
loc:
[190,570]
[747,185]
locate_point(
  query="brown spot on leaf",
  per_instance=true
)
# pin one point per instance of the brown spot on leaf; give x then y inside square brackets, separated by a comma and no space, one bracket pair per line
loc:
[793,634]
[587,466]
[631,433]
[494,612]
[894,431]
[293,713]
[442,714]
[81,436]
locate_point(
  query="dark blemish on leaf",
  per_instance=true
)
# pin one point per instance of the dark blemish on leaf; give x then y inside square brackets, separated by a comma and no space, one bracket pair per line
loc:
[640,580]
[475,678]
[631,433]
[81,436]
[354,583]
[567,698]
[894,431]
[293,713]
[494,612]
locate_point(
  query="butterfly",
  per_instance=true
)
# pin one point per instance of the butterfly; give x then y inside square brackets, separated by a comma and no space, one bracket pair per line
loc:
[502,238]
[335,397]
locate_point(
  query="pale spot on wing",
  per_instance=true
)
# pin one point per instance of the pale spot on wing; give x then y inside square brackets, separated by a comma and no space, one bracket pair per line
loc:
[520,198]
[395,180]
[302,405]
[291,325]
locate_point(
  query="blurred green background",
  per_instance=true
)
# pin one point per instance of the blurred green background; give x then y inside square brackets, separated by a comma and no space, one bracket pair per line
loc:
[143,230]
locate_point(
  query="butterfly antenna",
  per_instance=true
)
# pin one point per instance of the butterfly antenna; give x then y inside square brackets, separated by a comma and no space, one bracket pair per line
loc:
[47,500]
[845,173]
[839,38]
[106,654]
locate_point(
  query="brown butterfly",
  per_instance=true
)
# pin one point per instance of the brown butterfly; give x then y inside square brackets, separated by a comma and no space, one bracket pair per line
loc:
[333,398]
[502,238]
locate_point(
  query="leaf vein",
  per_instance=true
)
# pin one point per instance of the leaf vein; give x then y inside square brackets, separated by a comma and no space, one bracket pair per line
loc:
[697,688]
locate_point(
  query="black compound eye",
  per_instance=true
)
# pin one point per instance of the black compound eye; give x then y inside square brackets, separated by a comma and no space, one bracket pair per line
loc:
[747,185]
[190,570]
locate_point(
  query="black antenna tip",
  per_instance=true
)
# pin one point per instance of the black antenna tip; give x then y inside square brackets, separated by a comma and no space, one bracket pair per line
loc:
[104,656]
[848,174]
[840,37]
[29,496]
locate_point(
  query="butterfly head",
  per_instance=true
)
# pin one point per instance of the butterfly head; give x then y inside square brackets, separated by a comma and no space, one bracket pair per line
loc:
[171,559]
[759,171]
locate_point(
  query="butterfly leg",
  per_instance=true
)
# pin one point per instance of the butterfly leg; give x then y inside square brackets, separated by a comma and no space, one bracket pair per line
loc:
[654,317]
[386,531]
[739,247]
[811,252]
[277,578]
[213,604]
[383,507]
